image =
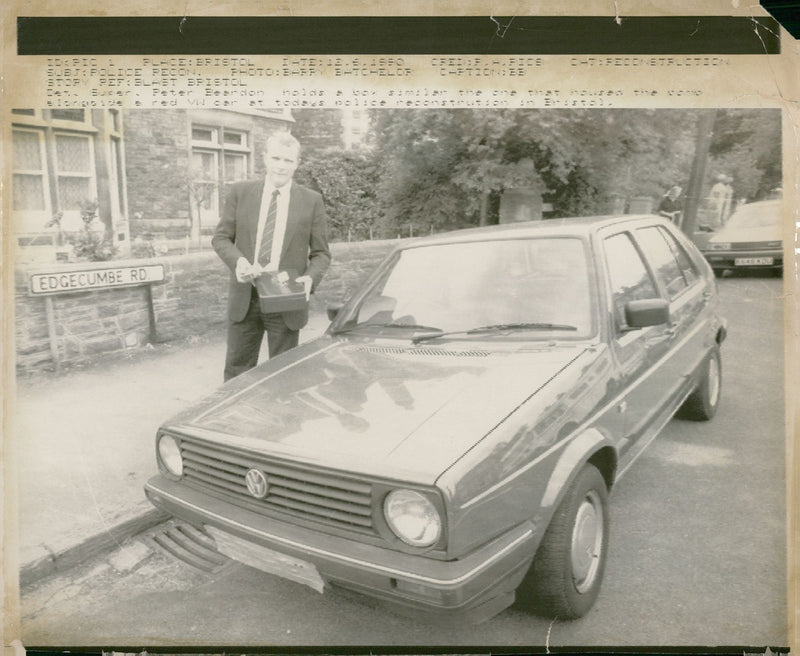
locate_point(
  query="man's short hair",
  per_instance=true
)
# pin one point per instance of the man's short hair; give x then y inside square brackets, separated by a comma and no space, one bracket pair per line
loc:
[283,139]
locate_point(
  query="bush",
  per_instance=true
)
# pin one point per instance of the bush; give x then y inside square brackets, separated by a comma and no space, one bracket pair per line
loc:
[348,183]
[89,244]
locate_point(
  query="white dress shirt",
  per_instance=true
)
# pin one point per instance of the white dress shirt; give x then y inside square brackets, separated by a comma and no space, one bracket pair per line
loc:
[280,220]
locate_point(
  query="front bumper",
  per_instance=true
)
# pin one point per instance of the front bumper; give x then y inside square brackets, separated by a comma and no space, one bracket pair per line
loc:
[473,588]
[728,259]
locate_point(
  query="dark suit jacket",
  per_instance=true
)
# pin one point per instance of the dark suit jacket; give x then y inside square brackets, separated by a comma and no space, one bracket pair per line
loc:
[305,246]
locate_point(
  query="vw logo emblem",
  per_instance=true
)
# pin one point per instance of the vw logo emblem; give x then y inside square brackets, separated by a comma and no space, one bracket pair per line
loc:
[256,483]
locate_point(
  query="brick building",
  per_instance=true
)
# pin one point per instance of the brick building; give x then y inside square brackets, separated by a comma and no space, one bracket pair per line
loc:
[178,162]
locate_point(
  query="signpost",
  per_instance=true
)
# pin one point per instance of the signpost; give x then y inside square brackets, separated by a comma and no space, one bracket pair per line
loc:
[60,282]
[92,278]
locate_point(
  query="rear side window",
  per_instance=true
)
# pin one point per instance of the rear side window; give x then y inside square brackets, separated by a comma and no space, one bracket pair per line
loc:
[689,268]
[662,258]
[628,275]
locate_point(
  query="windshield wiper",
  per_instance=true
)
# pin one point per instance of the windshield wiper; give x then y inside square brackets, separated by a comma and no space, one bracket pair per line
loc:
[499,327]
[389,324]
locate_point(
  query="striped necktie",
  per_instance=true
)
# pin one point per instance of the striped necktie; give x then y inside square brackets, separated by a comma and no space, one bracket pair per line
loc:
[265,251]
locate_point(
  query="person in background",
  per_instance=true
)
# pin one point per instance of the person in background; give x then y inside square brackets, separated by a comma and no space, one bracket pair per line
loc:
[727,205]
[671,205]
[269,225]
[720,197]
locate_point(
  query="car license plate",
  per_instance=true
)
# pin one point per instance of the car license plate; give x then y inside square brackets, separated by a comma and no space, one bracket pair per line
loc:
[267,560]
[753,261]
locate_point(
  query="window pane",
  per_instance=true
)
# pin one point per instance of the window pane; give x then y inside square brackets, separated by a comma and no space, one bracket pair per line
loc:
[629,278]
[72,154]
[204,165]
[72,192]
[234,138]
[68,114]
[28,192]
[690,272]
[235,167]
[660,257]
[27,153]
[204,134]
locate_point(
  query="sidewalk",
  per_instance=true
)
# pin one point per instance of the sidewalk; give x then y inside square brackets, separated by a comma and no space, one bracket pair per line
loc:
[85,444]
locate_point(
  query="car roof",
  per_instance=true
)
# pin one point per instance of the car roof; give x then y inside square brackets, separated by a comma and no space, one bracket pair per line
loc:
[568,227]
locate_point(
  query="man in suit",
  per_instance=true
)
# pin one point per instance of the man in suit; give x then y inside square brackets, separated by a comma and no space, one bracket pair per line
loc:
[269,225]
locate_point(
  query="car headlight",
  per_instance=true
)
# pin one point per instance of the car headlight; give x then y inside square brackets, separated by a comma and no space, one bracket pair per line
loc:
[412,517]
[169,454]
[719,246]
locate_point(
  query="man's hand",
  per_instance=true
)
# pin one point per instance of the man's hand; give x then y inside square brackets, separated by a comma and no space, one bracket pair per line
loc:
[246,272]
[307,282]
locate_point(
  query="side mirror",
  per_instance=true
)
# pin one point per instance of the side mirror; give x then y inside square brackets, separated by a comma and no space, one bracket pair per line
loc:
[333,310]
[646,312]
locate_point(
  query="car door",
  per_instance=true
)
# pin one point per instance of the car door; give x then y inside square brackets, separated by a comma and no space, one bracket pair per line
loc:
[639,354]
[680,282]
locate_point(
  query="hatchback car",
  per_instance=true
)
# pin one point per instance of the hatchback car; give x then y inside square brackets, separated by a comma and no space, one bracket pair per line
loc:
[449,445]
[751,239]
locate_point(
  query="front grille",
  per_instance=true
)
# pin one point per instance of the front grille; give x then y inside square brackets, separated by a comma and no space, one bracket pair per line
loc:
[305,494]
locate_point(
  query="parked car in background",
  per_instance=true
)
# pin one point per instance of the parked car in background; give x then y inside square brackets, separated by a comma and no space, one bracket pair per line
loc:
[751,239]
[449,445]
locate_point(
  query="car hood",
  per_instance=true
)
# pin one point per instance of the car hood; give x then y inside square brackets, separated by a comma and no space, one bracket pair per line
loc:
[377,409]
[736,234]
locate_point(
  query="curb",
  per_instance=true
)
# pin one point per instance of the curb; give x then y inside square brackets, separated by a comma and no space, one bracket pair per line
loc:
[90,547]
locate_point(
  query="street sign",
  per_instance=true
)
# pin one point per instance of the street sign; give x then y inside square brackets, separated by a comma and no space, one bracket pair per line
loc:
[60,282]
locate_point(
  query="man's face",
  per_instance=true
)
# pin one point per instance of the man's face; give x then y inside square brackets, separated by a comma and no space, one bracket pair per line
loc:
[281,162]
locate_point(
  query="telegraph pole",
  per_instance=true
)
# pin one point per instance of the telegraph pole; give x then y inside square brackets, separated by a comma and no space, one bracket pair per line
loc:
[705,130]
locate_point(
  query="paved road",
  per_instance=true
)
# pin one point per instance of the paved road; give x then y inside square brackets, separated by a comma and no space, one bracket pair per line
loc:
[697,554]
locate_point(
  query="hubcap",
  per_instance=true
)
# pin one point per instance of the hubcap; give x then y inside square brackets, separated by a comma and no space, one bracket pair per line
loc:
[713,381]
[587,542]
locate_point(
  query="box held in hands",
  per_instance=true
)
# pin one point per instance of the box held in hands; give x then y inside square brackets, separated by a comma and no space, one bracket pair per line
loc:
[279,292]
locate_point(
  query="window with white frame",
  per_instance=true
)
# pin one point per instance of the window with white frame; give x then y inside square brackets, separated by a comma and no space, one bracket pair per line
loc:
[30,198]
[219,155]
[55,171]
[75,174]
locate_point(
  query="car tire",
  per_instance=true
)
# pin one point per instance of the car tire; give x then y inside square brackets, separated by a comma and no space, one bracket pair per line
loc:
[702,403]
[567,570]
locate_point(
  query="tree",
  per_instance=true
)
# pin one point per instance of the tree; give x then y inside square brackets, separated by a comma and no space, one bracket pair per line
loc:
[201,193]
[747,146]
[442,167]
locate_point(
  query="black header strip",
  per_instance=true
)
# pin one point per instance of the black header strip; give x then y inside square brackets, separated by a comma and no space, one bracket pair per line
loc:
[439,35]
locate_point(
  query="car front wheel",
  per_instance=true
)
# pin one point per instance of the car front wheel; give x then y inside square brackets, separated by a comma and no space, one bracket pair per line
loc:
[564,579]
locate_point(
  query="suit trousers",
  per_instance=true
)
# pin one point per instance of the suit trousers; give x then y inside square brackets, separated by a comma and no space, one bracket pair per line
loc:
[245,337]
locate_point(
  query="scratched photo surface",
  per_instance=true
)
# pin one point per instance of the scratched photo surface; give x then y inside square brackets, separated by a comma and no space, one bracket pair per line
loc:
[120,168]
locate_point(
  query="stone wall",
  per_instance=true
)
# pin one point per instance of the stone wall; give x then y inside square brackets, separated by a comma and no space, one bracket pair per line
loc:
[156,163]
[191,302]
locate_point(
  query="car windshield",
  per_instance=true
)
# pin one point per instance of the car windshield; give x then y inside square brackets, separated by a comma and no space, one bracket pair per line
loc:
[755,215]
[523,288]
